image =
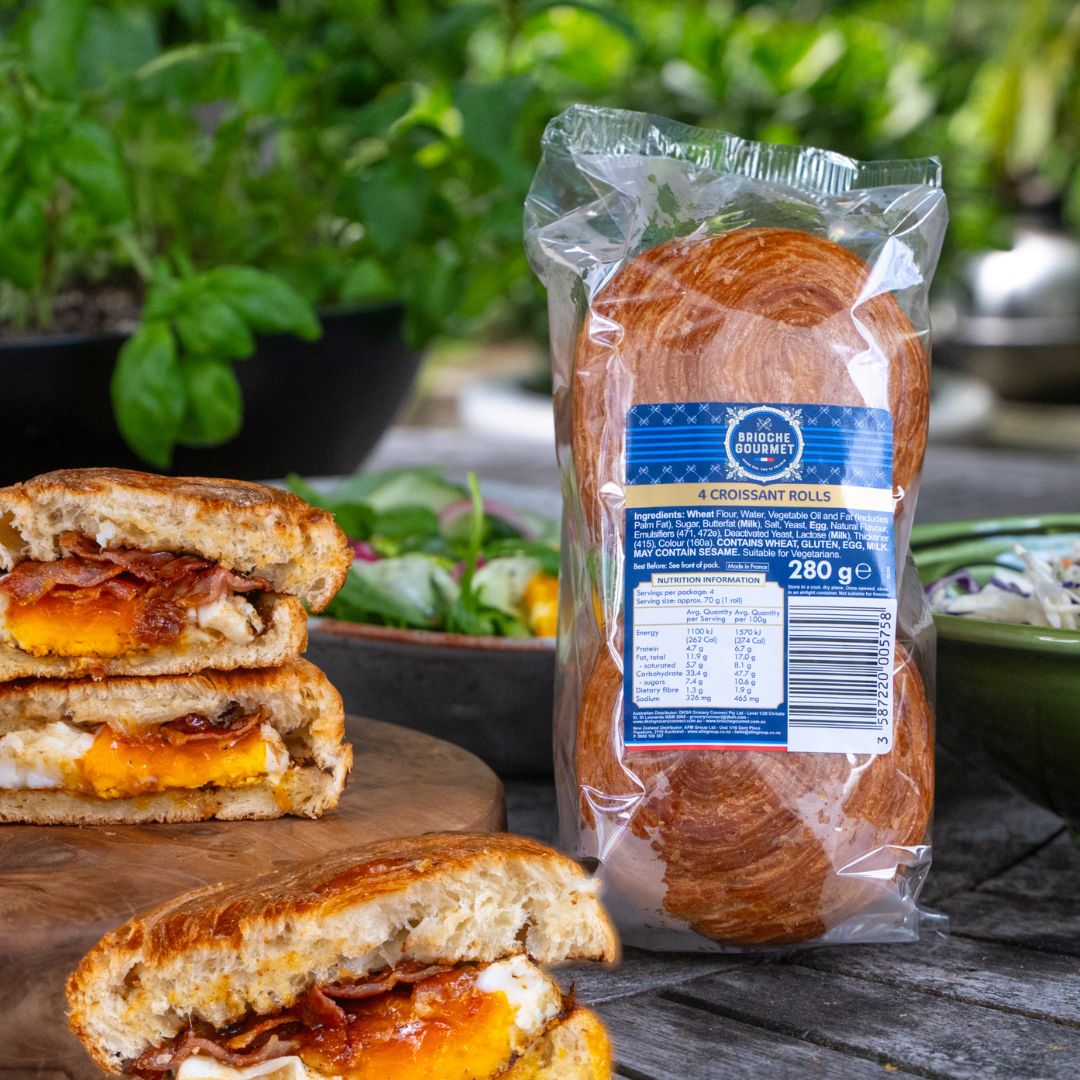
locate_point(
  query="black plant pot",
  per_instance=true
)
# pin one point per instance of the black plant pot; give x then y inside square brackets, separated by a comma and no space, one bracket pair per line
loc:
[316,407]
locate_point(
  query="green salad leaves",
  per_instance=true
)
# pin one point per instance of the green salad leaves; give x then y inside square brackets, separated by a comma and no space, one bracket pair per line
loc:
[432,554]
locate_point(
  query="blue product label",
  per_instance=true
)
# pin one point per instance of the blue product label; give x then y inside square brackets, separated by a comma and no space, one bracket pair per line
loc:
[760,577]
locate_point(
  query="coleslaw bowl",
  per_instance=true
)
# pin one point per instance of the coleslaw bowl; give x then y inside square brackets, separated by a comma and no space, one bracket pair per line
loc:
[1008,694]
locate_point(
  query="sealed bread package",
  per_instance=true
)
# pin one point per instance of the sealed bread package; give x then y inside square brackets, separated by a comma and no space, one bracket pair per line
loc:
[740,341]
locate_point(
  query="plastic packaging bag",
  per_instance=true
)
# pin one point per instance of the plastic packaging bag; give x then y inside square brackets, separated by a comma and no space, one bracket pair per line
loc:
[740,343]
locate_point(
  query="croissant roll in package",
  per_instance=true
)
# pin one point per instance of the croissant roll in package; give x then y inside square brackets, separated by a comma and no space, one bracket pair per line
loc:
[740,339]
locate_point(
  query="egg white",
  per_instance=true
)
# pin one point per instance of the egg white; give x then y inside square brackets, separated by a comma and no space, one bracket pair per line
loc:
[43,757]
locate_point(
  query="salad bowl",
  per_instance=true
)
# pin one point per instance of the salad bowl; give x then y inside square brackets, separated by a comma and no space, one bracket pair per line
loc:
[1008,693]
[492,695]
[446,621]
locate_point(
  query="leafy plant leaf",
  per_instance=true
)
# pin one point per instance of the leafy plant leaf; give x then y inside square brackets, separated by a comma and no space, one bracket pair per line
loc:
[260,72]
[210,326]
[406,523]
[115,44]
[501,583]
[215,402]
[463,617]
[432,290]
[22,240]
[356,519]
[55,36]
[490,112]
[392,202]
[270,305]
[148,393]
[608,12]
[375,119]
[89,157]
[396,488]
[448,29]
[367,283]
[545,557]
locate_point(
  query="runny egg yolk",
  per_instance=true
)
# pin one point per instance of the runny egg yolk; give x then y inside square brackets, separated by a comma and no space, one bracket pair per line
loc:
[120,766]
[61,625]
[447,1029]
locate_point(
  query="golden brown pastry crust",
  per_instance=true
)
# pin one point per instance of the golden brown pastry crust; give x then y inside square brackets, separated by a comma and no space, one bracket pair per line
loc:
[752,844]
[321,887]
[245,526]
[574,1047]
[208,492]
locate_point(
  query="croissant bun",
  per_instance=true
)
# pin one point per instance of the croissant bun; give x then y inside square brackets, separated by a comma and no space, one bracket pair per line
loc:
[753,847]
[760,847]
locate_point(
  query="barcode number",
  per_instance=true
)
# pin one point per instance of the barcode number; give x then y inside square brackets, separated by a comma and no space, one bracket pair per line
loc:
[840,659]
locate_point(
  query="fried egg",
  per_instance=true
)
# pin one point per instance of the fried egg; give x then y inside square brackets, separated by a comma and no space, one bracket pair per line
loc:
[60,624]
[455,1026]
[111,765]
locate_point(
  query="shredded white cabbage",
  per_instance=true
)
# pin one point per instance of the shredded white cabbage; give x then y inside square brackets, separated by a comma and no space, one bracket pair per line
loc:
[1044,593]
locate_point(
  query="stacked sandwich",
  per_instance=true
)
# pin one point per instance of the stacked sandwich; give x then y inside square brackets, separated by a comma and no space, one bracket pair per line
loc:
[150,634]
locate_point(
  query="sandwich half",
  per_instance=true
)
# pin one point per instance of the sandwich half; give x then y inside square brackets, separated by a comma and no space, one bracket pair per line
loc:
[235,744]
[113,572]
[408,958]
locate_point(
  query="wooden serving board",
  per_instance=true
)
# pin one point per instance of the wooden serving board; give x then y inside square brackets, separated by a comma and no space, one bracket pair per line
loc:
[63,887]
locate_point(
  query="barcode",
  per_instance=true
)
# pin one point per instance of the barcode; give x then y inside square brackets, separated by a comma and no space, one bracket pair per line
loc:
[840,664]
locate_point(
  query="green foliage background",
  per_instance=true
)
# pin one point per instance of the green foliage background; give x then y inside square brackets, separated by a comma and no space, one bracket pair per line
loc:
[354,152]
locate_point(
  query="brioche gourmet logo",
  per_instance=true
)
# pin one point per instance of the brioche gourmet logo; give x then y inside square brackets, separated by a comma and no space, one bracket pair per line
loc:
[764,443]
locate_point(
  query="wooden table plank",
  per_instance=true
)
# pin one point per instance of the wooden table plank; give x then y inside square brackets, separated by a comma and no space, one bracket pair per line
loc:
[982,826]
[1052,872]
[1052,925]
[921,1032]
[640,971]
[976,972]
[656,1038]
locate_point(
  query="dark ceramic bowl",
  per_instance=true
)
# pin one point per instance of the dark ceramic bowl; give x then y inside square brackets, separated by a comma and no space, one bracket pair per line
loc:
[491,695]
[1008,694]
[312,407]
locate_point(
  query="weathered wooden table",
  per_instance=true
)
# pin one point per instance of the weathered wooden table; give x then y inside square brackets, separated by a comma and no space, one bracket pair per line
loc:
[1000,997]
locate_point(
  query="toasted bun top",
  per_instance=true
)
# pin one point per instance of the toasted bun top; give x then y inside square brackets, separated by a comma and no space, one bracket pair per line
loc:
[249,528]
[218,952]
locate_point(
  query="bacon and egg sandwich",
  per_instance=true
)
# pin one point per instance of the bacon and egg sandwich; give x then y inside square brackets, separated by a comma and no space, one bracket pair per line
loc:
[233,744]
[415,958]
[114,572]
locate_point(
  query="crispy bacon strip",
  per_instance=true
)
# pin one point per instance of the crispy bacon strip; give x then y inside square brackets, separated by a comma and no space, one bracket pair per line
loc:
[314,1009]
[318,1010]
[30,581]
[232,725]
[210,585]
[375,985]
[158,621]
[182,581]
[180,574]
[172,1056]
[247,1037]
